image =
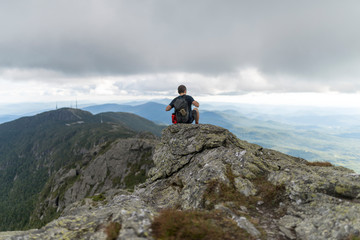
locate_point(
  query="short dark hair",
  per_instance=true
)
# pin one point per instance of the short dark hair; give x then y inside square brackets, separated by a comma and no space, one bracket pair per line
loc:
[181,89]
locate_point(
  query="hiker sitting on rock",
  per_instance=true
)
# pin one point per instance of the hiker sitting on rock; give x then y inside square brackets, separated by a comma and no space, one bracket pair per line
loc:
[182,105]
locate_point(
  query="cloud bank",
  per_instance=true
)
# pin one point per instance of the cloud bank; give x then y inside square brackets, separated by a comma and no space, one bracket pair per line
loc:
[215,46]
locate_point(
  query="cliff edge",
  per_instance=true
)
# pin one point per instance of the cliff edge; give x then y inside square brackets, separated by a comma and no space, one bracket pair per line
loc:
[263,193]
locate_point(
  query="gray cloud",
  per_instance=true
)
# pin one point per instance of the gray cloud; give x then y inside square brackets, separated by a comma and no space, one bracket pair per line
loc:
[314,42]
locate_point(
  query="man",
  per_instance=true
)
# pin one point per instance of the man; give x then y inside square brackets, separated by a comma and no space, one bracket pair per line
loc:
[184,114]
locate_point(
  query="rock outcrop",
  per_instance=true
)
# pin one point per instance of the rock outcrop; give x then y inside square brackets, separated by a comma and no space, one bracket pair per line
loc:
[118,165]
[268,194]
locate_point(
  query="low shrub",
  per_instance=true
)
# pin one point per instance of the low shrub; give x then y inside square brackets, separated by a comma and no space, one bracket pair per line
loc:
[112,230]
[173,224]
[320,164]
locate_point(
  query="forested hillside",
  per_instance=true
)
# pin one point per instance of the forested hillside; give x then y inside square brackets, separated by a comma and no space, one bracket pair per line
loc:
[33,148]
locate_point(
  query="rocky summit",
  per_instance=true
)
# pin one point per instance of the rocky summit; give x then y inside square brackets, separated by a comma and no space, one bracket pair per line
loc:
[205,170]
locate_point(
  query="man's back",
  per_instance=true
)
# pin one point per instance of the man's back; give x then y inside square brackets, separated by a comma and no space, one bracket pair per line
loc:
[183,104]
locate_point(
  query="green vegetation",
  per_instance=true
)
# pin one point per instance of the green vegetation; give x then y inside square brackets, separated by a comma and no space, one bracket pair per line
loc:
[219,192]
[98,198]
[137,172]
[69,182]
[174,224]
[104,148]
[50,214]
[132,121]
[33,148]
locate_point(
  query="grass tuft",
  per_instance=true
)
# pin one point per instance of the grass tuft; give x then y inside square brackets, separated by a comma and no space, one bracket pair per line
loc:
[320,164]
[269,193]
[112,230]
[173,224]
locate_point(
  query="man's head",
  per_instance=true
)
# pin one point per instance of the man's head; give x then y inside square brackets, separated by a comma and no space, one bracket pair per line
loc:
[181,89]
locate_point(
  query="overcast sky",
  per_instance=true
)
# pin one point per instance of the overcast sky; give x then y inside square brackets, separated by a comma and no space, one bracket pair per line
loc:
[118,49]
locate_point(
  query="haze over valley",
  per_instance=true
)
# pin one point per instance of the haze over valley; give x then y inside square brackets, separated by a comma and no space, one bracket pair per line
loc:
[312,133]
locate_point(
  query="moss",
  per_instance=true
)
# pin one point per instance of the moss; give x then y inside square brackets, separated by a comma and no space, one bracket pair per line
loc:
[198,147]
[173,224]
[340,190]
[98,198]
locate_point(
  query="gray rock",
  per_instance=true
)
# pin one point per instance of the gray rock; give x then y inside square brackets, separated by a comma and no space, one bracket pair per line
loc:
[245,186]
[319,202]
[287,232]
[241,221]
[101,174]
[89,222]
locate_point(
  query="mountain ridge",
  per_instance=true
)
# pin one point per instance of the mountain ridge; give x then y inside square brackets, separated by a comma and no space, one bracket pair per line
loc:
[34,148]
[206,172]
[322,140]
[315,143]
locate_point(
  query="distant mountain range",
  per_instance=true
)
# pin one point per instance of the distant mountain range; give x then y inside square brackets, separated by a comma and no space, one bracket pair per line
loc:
[7,118]
[153,111]
[310,133]
[156,112]
[301,137]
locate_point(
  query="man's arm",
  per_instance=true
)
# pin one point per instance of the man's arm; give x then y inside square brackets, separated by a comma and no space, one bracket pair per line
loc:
[168,108]
[195,103]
